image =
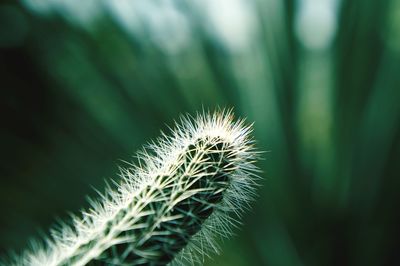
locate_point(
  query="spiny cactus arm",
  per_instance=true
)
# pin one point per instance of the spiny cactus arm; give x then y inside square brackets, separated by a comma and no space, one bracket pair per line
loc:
[169,206]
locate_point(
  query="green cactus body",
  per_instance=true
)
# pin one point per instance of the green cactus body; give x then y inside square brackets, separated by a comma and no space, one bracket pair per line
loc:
[181,193]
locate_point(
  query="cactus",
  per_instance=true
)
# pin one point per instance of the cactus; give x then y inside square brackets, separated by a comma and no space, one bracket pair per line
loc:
[167,208]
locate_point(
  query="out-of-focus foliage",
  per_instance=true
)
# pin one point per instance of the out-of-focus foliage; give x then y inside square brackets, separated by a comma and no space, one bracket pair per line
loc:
[85,83]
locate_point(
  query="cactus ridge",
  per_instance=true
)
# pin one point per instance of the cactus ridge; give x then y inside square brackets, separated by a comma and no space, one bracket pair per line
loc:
[169,206]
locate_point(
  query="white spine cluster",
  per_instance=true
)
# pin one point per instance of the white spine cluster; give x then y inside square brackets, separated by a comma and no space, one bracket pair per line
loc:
[168,207]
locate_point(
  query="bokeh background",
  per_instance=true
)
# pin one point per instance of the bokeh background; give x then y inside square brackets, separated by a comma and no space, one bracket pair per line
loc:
[84,84]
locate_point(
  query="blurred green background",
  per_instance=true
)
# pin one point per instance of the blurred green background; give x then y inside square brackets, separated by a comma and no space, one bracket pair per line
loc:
[84,84]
